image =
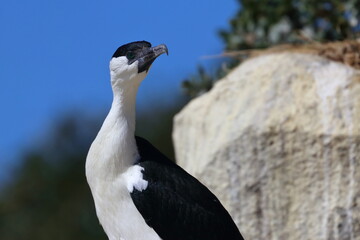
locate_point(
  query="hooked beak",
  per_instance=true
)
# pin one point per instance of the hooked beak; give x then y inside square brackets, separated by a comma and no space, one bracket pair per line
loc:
[149,55]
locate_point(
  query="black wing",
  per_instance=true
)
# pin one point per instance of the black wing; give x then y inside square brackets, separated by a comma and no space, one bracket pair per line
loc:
[176,205]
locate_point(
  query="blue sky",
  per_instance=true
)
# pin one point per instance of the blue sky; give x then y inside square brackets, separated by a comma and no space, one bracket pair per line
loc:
[55,54]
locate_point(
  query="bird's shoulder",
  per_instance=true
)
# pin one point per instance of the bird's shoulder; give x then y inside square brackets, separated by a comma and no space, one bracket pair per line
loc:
[149,153]
[161,171]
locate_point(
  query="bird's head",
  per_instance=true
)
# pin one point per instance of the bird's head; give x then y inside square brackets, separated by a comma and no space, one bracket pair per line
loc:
[131,62]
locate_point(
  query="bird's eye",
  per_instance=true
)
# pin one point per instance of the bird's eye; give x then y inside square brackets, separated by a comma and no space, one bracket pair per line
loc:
[130,55]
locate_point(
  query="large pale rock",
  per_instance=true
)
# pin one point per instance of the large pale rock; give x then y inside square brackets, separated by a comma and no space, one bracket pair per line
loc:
[278,141]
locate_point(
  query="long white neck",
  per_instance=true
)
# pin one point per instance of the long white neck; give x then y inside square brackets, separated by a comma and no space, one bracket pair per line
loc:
[123,108]
[114,148]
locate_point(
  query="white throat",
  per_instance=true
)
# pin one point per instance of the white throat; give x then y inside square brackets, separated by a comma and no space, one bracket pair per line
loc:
[114,148]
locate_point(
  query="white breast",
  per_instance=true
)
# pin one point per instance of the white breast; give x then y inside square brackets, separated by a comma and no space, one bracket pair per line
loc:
[116,210]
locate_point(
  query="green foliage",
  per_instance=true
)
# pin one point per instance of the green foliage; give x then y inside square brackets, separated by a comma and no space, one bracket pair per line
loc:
[203,81]
[264,23]
[199,83]
[49,197]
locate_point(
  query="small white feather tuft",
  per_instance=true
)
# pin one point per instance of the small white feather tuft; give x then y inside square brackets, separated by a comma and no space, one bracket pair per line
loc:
[134,179]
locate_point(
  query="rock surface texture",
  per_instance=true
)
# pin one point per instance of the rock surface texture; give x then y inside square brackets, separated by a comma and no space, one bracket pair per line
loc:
[278,141]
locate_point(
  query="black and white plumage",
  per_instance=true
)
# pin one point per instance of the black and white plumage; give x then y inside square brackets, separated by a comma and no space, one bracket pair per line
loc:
[140,194]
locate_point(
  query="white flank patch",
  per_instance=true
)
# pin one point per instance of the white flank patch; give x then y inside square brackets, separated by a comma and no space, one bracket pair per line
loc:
[134,179]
